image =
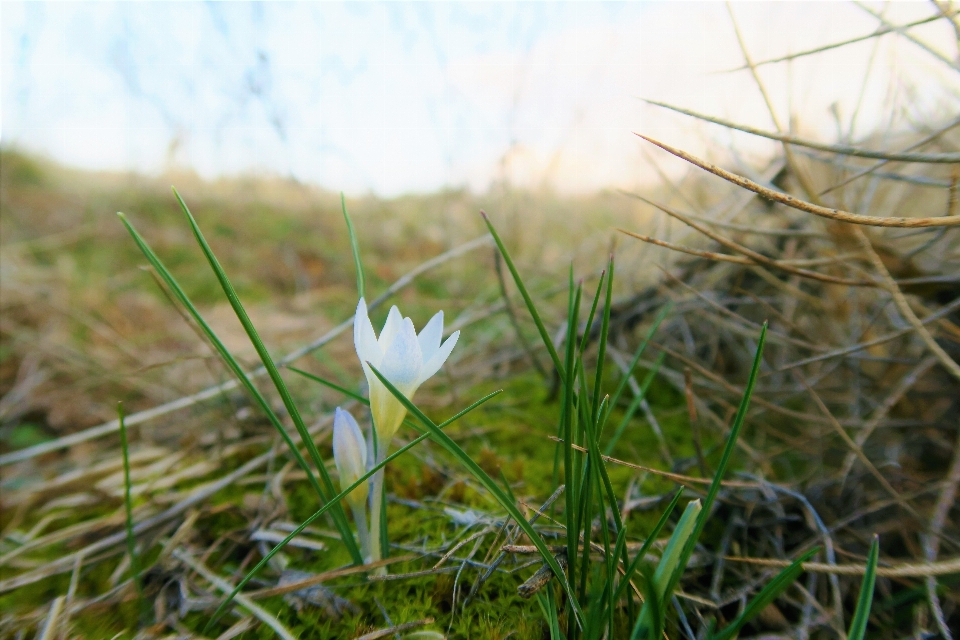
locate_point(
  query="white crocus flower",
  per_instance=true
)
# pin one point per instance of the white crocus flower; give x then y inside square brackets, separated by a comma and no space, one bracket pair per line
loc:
[350,456]
[404,358]
[407,360]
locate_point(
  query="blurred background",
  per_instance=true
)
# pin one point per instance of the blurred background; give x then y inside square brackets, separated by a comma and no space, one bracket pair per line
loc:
[392,98]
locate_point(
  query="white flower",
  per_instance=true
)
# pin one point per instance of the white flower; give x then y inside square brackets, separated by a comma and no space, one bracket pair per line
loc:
[404,358]
[350,455]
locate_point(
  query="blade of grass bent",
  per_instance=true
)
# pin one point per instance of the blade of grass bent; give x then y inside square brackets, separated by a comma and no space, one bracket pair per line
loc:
[354,247]
[228,358]
[488,483]
[336,500]
[768,594]
[548,343]
[858,626]
[339,517]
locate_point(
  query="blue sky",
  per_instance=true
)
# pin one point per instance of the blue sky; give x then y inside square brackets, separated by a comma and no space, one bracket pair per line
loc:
[398,97]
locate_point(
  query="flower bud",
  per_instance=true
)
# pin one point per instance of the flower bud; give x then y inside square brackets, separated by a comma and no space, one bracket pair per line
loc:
[350,455]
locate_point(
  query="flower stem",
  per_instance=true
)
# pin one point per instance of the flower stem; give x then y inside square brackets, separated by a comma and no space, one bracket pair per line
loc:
[363,533]
[376,523]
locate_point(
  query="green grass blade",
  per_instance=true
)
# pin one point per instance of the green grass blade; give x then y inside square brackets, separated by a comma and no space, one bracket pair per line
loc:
[339,517]
[724,461]
[651,538]
[548,605]
[605,486]
[353,395]
[568,416]
[384,534]
[768,594]
[585,520]
[858,626]
[602,347]
[548,343]
[670,561]
[350,394]
[354,247]
[593,312]
[636,356]
[221,349]
[634,404]
[336,500]
[653,608]
[489,484]
[128,506]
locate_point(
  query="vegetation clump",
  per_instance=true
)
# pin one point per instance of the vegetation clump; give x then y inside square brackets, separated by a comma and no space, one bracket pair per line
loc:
[758,438]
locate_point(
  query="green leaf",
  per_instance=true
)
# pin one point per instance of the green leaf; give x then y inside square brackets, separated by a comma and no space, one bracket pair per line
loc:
[602,348]
[858,626]
[333,385]
[548,343]
[128,505]
[354,247]
[638,559]
[768,594]
[636,356]
[568,419]
[592,314]
[655,611]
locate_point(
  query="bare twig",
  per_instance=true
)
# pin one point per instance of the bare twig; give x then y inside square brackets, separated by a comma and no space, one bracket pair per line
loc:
[843,149]
[262,614]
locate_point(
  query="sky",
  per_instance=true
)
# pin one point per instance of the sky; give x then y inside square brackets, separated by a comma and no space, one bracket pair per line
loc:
[399,97]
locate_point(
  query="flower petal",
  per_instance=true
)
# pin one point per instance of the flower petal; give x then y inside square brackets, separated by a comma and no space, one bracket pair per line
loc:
[349,448]
[430,336]
[390,328]
[433,365]
[402,360]
[364,338]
